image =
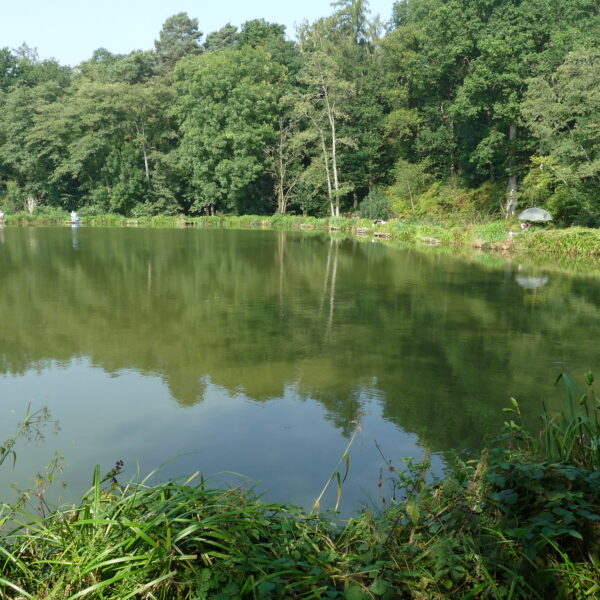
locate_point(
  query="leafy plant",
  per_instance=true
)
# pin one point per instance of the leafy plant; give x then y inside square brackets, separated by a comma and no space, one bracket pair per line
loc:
[376,206]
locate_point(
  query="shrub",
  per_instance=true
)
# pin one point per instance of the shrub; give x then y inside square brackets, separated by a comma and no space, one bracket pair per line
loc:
[376,206]
[13,199]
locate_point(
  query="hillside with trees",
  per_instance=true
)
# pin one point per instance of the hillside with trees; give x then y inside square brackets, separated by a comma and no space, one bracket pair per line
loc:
[454,107]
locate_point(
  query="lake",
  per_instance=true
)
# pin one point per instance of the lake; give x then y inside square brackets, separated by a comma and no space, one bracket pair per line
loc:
[259,353]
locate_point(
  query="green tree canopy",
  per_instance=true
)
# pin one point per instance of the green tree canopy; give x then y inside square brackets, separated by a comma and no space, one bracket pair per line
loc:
[178,37]
[227,108]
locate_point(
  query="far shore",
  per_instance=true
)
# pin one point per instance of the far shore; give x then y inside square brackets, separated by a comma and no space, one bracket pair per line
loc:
[497,236]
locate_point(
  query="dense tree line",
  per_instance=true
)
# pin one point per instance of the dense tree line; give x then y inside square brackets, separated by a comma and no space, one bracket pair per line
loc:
[454,106]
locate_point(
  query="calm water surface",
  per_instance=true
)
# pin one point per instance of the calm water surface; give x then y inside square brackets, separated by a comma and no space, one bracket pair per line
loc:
[256,352]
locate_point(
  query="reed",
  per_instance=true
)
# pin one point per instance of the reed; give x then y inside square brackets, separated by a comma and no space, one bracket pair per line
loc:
[573,436]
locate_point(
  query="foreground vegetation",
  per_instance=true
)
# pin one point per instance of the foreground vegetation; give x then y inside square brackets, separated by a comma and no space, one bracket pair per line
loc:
[450,107]
[522,521]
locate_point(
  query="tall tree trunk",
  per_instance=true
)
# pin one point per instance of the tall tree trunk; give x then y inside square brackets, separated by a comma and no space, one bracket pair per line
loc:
[146,163]
[281,203]
[142,136]
[511,203]
[336,185]
[326,159]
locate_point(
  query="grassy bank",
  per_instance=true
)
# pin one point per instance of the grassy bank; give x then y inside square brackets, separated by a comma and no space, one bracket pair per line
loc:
[520,522]
[572,241]
[494,235]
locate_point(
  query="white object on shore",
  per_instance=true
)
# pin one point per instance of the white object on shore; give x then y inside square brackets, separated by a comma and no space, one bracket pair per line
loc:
[535,215]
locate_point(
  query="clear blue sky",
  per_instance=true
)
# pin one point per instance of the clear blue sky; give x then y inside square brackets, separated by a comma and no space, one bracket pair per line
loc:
[70,30]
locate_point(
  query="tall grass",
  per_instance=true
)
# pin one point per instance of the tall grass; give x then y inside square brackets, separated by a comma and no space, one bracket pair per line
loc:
[573,240]
[171,540]
[48,216]
[574,436]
